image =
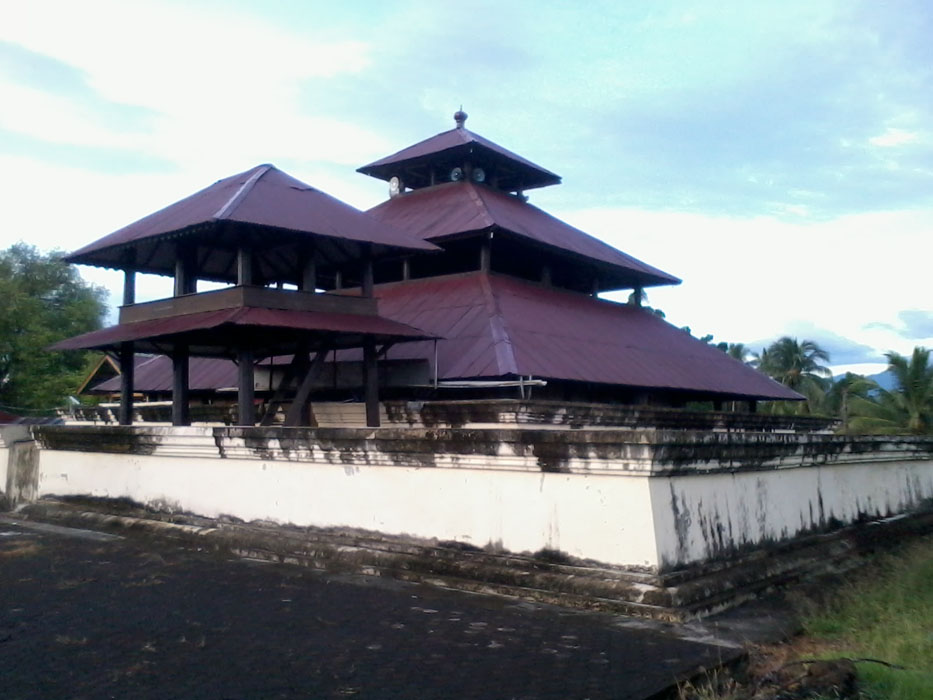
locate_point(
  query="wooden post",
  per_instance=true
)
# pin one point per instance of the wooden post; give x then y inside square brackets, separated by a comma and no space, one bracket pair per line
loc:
[639,295]
[127,372]
[246,390]
[186,281]
[338,280]
[485,255]
[309,275]
[371,382]
[366,285]
[180,396]
[244,266]
[406,269]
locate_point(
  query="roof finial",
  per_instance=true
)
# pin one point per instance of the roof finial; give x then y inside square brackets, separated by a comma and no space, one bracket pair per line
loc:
[460,116]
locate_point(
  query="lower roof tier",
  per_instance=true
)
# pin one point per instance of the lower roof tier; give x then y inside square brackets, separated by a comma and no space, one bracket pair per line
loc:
[496,326]
[265,332]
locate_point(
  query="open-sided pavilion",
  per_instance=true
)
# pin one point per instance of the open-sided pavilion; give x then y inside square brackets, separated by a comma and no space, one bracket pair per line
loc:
[275,240]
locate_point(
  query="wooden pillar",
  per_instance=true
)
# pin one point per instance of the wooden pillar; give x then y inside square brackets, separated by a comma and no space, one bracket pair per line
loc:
[406,269]
[338,280]
[186,281]
[371,382]
[246,389]
[244,266]
[366,285]
[129,277]
[180,395]
[639,295]
[127,372]
[309,275]
[485,255]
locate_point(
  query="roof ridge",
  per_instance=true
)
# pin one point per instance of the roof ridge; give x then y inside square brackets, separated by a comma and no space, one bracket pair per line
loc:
[501,340]
[242,192]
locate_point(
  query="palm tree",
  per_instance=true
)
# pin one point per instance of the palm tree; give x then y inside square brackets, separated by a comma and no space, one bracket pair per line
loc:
[797,365]
[738,351]
[850,388]
[906,409]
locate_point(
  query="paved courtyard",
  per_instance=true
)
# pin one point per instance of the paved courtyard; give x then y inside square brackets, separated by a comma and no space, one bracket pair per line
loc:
[89,615]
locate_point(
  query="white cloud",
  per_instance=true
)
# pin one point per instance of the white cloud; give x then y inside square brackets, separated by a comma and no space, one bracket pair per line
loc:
[746,279]
[894,137]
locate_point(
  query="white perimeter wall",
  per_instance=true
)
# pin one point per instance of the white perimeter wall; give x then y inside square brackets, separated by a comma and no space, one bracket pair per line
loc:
[603,517]
[697,517]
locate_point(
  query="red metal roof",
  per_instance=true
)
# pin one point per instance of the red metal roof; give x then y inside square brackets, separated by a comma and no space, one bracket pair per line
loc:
[452,143]
[154,374]
[459,207]
[268,331]
[495,326]
[262,197]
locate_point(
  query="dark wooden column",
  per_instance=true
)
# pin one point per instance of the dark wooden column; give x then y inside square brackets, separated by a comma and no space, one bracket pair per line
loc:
[129,286]
[244,266]
[186,281]
[246,390]
[308,275]
[180,396]
[485,255]
[371,382]
[127,372]
[366,284]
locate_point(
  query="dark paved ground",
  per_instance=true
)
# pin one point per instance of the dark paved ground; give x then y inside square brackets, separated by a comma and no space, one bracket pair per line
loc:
[93,616]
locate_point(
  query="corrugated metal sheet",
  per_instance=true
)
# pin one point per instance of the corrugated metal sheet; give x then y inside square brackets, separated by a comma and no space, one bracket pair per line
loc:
[384,168]
[494,326]
[262,196]
[459,207]
[251,321]
[154,374]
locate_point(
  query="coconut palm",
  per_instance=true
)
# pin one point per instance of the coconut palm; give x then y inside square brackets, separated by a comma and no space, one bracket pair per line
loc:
[908,408]
[798,366]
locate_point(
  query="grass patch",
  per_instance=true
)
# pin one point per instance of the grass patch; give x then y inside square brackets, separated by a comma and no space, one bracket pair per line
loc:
[882,612]
[885,612]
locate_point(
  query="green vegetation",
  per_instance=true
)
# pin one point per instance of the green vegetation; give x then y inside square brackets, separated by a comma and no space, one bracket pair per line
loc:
[881,618]
[887,614]
[44,300]
[860,404]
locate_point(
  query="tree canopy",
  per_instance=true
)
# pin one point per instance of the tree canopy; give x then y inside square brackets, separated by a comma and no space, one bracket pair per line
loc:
[44,301]
[908,408]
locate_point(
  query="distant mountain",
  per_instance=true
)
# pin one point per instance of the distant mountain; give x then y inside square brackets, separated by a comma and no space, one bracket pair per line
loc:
[884,379]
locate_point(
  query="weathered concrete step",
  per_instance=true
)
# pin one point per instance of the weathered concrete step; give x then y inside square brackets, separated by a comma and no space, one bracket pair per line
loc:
[672,597]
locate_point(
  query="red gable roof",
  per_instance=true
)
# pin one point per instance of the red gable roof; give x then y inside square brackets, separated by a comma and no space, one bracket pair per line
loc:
[459,207]
[262,196]
[495,326]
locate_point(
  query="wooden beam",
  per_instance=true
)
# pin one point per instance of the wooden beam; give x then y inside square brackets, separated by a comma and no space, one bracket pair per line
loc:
[296,412]
[180,394]
[127,373]
[246,390]
[298,364]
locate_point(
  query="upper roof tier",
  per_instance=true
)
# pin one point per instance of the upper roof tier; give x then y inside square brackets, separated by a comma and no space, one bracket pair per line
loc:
[433,161]
[454,209]
[263,207]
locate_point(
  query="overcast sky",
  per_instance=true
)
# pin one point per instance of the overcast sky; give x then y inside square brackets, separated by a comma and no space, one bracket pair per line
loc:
[777,156]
